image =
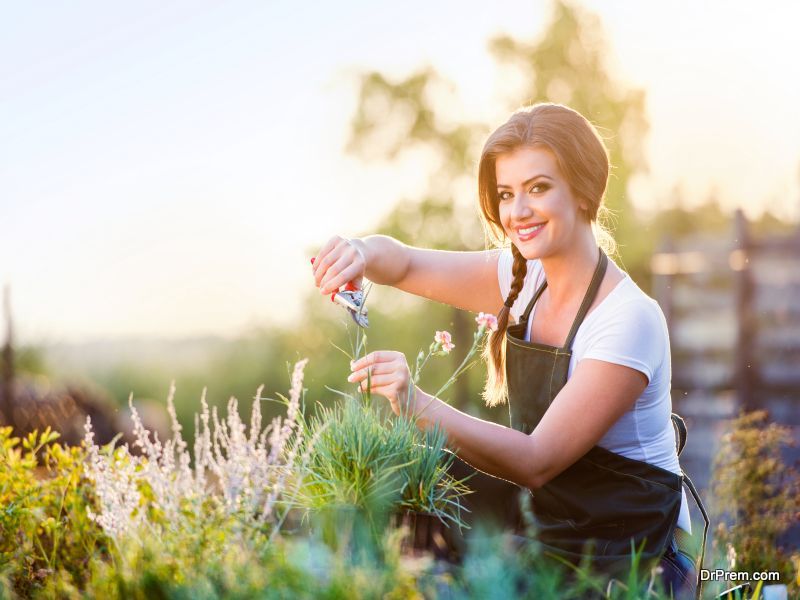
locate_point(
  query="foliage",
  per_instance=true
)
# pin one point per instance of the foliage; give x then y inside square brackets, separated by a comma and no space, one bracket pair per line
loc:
[502,566]
[235,474]
[756,497]
[52,546]
[30,360]
[379,464]
[215,559]
[707,219]
[45,524]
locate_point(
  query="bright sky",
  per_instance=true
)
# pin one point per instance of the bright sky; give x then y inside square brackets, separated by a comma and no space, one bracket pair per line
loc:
[165,167]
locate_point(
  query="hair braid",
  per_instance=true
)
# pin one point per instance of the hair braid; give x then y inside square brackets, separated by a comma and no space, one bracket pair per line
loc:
[494,351]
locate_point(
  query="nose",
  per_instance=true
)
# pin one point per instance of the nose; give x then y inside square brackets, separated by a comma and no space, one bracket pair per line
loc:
[521,209]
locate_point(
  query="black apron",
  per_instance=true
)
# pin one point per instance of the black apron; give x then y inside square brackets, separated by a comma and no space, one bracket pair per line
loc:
[604,504]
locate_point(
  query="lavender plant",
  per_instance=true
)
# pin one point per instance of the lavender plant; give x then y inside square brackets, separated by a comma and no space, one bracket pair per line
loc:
[236,472]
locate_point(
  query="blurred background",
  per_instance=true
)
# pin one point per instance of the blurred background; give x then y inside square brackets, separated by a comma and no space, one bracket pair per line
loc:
[167,170]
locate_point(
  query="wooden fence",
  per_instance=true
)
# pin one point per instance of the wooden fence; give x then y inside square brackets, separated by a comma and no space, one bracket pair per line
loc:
[733,309]
[732,304]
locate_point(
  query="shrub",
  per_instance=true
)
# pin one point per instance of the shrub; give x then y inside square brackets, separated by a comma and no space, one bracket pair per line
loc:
[45,524]
[756,497]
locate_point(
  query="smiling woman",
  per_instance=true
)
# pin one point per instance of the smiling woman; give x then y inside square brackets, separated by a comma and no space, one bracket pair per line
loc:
[585,368]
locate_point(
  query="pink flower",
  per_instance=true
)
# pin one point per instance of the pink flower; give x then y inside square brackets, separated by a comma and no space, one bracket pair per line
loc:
[443,338]
[487,320]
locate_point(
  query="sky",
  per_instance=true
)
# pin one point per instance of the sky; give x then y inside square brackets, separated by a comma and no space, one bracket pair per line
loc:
[167,168]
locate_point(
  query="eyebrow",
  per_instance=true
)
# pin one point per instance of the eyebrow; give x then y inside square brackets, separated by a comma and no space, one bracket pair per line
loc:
[527,181]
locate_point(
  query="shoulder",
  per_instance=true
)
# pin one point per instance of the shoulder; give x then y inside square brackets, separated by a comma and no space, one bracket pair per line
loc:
[627,328]
[629,307]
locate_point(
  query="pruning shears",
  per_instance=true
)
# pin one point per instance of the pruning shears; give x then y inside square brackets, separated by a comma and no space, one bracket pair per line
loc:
[352,299]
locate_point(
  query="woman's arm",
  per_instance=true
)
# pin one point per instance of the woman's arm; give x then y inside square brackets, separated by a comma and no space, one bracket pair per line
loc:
[594,398]
[466,280]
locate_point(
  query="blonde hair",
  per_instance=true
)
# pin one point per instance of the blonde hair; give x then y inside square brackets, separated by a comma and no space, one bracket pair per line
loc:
[583,160]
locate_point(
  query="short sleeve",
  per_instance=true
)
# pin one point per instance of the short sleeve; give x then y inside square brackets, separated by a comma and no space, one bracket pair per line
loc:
[504,266]
[634,335]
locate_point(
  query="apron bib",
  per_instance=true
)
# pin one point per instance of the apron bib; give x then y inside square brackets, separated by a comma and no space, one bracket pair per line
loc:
[604,504]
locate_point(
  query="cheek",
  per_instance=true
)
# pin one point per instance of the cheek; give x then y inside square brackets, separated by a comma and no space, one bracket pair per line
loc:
[504,214]
[559,207]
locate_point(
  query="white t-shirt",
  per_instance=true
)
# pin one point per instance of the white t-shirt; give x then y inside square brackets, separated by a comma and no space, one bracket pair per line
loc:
[626,328]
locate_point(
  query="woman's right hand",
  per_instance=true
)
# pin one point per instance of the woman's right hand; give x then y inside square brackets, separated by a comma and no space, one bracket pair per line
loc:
[339,261]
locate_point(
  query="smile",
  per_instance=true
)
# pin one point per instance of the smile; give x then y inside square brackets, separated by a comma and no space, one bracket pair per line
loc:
[528,233]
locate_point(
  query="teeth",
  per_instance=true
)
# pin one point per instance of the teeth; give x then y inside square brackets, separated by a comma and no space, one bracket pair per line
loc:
[530,229]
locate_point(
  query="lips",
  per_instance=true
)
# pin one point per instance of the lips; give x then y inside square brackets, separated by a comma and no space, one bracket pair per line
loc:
[529,232]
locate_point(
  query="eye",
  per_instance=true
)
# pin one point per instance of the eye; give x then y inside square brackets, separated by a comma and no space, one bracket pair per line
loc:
[505,195]
[539,188]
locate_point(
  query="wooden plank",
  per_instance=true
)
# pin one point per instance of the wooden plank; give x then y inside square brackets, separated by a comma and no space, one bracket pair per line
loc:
[716,330]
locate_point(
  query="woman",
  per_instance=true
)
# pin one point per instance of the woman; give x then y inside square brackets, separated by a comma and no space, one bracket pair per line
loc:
[585,367]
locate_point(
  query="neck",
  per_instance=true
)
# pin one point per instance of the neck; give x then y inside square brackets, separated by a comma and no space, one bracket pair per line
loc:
[569,271]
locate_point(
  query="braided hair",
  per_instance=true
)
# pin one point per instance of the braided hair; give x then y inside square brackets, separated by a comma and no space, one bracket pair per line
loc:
[496,346]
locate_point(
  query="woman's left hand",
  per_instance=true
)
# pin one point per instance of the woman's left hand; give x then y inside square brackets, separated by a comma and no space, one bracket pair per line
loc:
[389,377]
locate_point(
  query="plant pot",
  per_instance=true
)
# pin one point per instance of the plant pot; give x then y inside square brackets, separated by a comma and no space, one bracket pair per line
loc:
[427,535]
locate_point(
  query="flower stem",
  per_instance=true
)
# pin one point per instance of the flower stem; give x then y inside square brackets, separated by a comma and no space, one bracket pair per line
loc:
[464,363]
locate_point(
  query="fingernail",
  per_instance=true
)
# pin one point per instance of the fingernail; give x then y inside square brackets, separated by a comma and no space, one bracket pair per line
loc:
[350,378]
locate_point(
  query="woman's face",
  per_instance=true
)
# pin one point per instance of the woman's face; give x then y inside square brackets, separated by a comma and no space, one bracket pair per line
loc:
[538,212]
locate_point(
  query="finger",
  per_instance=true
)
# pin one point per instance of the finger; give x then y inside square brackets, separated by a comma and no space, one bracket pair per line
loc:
[334,274]
[324,261]
[387,391]
[378,381]
[327,247]
[373,358]
[379,369]
[349,273]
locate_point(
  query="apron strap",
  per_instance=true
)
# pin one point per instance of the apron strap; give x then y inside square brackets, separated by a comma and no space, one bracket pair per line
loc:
[681,435]
[529,308]
[699,566]
[680,432]
[591,293]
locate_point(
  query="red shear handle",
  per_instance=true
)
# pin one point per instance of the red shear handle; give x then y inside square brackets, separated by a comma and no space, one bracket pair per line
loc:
[349,286]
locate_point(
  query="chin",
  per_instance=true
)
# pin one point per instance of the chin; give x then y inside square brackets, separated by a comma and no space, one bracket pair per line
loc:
[534,251]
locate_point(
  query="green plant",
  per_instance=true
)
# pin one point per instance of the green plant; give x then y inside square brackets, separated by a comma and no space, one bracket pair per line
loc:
[756,497]
[45,505]
[503,566]
[381,464]
[218,561]
[377,463]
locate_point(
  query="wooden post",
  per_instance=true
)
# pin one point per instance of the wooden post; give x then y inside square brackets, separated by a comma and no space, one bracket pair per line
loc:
[7,371]
[746,372]
[663,283]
